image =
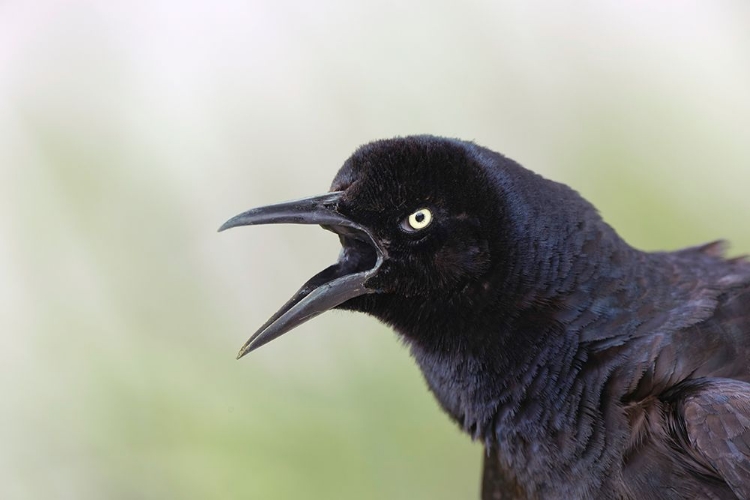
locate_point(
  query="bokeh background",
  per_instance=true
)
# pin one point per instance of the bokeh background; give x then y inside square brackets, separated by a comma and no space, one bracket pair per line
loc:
[130,130]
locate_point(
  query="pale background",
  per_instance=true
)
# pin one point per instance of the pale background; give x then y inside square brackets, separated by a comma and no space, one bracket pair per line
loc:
[129,131]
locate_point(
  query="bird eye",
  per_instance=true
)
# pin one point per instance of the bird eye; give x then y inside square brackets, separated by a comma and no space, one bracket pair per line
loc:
[418,220]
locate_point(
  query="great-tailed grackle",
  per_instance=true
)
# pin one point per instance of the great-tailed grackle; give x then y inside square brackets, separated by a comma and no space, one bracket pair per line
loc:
[588,369]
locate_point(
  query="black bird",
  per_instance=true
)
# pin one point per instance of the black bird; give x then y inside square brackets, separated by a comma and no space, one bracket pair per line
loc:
[589,369]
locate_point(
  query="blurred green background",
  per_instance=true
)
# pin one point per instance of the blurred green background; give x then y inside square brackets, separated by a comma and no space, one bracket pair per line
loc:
[130,130]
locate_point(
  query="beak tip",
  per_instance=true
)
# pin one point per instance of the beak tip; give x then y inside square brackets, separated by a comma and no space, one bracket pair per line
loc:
[225,226]
[244,351]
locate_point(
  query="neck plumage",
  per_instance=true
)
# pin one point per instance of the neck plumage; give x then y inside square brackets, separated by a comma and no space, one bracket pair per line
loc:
[505,352]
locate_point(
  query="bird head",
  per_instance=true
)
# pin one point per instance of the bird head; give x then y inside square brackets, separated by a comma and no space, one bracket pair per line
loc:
[417,218]
[428,226]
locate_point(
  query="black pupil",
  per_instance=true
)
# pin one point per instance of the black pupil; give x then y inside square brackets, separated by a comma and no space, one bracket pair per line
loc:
[419,217]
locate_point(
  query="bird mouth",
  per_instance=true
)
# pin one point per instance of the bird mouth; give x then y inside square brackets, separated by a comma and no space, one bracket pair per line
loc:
[360,258]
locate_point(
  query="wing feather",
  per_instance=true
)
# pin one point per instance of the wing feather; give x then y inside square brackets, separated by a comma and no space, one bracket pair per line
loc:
[715,416]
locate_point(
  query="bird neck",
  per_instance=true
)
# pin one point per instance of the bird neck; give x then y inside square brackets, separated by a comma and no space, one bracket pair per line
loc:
[503,374]
[502,355]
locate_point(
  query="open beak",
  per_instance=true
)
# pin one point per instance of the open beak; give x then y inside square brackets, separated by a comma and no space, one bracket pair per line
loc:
[360,259]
